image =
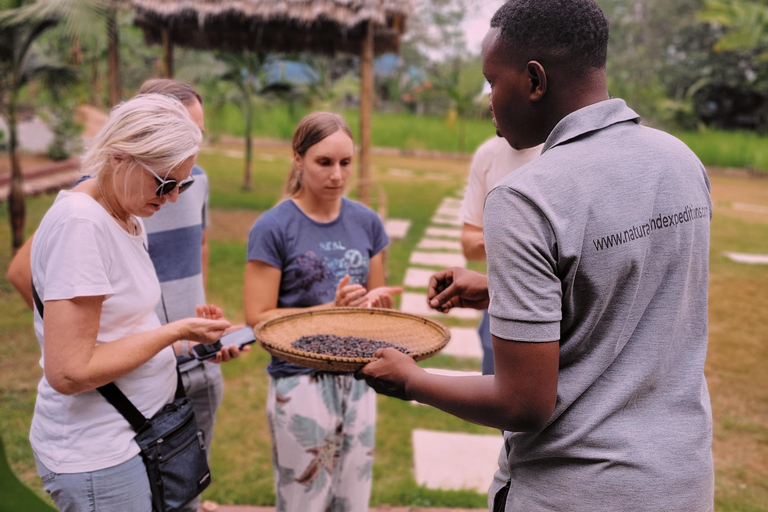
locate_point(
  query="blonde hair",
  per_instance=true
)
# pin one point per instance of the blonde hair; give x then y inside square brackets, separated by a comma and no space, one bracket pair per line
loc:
[154,129]
[311,130]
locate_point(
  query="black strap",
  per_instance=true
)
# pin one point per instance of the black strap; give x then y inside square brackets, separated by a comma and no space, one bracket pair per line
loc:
[38,302]
[112,393]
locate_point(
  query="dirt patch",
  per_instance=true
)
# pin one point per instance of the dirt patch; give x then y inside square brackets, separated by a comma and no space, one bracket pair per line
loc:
[92,119]
[28,161]
[229,225]
[740,196]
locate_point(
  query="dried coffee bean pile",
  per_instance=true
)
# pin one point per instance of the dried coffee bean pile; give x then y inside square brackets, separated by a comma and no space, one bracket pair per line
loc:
[342,346]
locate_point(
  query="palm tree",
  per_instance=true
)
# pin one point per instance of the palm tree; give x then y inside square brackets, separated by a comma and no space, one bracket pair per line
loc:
[21,23]
[246,72]
[746,23]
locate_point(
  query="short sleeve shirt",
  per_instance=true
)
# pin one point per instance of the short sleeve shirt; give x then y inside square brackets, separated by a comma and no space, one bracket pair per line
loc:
[313,256]
[175,237]
[602,243]
[80,251]
[492,161]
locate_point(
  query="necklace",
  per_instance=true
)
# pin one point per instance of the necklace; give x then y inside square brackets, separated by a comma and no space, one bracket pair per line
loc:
[125,223]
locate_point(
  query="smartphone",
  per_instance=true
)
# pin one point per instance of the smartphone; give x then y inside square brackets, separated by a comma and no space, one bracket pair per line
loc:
[240,337]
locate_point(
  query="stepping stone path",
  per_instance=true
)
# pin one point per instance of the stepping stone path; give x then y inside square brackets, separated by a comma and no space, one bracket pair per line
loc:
[758,208]
[430,243]
[438,259]
[416,303]
[443,233]
[752,259]
[397,229]
[417,277]
[447,220]
[465,342]
[447,460]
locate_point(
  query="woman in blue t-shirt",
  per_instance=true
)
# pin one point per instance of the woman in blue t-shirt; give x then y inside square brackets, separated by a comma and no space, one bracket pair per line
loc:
[317,249]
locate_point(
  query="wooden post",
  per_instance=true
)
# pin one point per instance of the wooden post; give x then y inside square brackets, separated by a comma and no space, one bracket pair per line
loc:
[113,57]
[167,52]
[366,106]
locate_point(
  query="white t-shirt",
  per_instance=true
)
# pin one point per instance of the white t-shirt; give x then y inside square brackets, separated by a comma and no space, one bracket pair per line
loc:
[492,162]
[80,250]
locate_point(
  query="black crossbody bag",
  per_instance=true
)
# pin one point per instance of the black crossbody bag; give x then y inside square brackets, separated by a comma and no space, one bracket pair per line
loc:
[172,447]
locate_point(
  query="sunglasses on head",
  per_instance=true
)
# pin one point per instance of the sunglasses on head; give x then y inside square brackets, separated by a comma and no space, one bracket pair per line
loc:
[166,185]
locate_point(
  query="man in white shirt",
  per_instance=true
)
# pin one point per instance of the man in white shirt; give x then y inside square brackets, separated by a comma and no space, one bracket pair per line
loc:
[492,161]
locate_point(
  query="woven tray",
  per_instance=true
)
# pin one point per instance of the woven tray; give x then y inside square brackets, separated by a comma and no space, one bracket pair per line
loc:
[422,336]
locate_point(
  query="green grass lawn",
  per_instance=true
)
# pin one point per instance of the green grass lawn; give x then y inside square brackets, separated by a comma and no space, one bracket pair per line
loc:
[241,462]
[735,149]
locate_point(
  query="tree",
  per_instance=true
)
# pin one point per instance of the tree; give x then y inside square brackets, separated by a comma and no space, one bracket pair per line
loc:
[21,24]
[245,71]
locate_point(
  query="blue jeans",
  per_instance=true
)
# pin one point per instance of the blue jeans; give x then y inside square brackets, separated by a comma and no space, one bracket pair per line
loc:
[124,487]
[486,341]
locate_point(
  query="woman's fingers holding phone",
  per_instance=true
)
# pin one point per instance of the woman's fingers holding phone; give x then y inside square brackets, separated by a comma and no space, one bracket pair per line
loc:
[202,329]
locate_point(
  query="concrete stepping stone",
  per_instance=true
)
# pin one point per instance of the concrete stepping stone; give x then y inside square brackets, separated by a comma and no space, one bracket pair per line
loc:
[448,245]
[447,220]
[447,373]
[416,304]
[758,208]
[452,373]
[452,202]
[454,461]
[443,233]
[438,259]
[397,229]
[436,176]
[465,343]
[752,259]
[449,211]
[417,277]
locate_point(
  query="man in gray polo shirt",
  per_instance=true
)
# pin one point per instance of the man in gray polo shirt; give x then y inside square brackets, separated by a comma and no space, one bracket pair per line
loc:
[597,283]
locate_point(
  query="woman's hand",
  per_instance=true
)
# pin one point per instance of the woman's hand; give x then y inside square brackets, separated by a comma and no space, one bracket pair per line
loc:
[349,295]
[208,327]
[381,297]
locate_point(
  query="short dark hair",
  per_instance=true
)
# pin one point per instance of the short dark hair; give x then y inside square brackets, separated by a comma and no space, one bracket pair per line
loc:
[570,31]
[182,91]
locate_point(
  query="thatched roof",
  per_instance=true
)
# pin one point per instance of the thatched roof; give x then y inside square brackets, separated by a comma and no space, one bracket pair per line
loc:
[289,26]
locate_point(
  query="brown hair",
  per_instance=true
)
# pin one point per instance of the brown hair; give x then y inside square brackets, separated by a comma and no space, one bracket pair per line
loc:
[183,92]
[311,130]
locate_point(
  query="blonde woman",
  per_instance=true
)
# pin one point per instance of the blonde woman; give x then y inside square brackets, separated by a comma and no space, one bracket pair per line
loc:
[91,269]
[317,249]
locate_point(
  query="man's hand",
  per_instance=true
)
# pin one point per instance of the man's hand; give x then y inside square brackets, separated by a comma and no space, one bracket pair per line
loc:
[389,374]
[458,288]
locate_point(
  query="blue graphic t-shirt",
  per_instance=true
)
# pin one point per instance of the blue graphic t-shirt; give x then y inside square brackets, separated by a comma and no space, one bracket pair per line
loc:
[314,256]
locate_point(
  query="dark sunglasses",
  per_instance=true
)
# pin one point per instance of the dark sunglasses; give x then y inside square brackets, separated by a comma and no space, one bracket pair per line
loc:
[166,185]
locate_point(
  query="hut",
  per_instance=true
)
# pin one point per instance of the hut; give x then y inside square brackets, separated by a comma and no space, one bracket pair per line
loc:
[361,27]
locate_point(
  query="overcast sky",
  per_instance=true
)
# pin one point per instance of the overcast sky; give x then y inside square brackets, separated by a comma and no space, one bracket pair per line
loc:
[476,24]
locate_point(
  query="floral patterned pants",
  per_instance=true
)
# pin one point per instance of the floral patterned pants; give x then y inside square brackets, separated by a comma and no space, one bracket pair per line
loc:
[323,431]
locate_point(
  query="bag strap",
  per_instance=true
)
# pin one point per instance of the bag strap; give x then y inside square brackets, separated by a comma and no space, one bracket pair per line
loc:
[112,393]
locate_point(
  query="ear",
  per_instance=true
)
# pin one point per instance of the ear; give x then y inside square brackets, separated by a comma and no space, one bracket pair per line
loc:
[298,160]
[537,78]
[116,158]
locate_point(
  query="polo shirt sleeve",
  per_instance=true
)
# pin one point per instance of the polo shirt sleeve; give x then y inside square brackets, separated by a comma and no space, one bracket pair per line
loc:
[525,291]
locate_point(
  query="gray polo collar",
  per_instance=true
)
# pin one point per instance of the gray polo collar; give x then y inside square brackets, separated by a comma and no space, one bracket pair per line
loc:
[590,119]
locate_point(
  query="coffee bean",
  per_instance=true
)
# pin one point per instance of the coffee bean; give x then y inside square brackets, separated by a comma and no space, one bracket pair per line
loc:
[342,346]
